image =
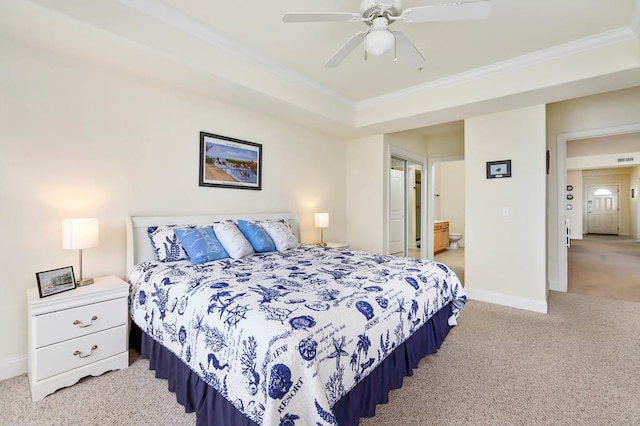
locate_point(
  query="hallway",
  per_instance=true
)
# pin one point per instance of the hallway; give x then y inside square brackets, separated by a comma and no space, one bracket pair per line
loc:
[605,266]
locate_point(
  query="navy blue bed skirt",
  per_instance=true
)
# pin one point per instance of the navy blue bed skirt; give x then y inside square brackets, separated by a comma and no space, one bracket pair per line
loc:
[211,408]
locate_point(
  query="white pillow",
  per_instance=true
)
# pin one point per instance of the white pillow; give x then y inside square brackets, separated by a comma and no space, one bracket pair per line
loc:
[233,241]
[281,234]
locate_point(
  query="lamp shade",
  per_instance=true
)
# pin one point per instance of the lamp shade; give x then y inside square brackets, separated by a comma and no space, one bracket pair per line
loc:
[79,233]
[321,220]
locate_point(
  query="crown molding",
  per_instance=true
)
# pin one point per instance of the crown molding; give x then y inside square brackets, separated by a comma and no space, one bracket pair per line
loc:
[197,29]
[581,45]
[170,16]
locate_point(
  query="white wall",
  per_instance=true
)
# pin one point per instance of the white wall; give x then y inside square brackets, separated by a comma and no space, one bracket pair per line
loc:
[366,189]
[447,146]
[78,140]
[505,255]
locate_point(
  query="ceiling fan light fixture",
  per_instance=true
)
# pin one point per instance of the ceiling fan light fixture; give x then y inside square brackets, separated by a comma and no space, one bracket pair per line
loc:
[379,40]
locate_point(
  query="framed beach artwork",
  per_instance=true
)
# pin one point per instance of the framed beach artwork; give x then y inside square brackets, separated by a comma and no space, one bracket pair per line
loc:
[230,163]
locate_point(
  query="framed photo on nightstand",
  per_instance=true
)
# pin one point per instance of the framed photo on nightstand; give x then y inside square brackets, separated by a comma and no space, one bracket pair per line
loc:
[55,281]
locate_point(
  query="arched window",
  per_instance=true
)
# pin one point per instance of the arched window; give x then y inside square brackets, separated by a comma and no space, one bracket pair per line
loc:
[603,191]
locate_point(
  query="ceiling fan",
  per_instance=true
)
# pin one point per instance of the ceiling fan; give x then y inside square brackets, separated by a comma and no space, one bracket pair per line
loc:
[378,15]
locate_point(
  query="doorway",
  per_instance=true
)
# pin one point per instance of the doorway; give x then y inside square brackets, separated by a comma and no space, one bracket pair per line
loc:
[447,192]
[561,168]
[603,214]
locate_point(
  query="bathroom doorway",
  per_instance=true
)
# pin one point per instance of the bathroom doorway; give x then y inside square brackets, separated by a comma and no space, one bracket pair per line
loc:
[447,192]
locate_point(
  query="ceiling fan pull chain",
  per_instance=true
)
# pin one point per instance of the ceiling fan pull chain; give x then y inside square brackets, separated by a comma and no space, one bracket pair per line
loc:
[395,48]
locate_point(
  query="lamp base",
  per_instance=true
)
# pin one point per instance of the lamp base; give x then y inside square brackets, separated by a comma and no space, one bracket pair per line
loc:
[84,281]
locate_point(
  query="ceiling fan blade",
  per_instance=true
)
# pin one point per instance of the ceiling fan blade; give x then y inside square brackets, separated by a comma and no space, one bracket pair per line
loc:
[321,17]
[407,51]
[345,50]
[454,11]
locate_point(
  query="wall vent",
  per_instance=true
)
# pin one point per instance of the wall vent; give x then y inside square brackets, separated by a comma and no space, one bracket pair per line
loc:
[624,159]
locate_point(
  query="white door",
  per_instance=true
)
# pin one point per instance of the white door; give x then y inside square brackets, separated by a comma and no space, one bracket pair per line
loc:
[396,211]
[602,209]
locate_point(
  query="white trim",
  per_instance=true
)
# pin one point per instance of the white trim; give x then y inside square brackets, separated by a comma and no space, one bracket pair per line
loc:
[504,300]
[194,28]
[561,161]
[13,367]
[587,43]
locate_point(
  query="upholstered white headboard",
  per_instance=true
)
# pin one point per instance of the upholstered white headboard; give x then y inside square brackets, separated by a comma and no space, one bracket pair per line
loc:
[139,247]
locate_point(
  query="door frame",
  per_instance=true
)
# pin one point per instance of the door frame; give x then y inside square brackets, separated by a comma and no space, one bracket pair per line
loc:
[561,171]
[394,151]
[402,191]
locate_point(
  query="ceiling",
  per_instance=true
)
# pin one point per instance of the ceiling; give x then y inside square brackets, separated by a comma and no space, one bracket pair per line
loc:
[243,51]
[513,28]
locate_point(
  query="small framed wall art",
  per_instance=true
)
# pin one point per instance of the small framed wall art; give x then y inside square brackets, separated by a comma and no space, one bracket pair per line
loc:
[55,281]
[498,169]
[230,163]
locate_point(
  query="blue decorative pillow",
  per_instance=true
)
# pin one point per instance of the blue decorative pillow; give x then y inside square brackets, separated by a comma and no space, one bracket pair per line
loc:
[166,244]
[257,236]
[201,244]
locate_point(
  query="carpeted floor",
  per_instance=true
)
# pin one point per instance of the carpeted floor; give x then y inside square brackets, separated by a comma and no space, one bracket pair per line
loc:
[577,365]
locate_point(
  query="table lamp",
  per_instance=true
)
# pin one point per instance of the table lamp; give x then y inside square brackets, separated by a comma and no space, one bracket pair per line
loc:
[321,221]
[78,234]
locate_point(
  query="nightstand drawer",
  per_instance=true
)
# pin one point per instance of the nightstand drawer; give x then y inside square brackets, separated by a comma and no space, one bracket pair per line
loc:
[75,322]
[71,354]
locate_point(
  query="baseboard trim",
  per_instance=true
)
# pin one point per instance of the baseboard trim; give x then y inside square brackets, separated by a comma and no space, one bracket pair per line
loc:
[13,367]
[511,301]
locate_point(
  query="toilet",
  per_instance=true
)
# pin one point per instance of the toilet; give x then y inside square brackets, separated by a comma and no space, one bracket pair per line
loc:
[453,241]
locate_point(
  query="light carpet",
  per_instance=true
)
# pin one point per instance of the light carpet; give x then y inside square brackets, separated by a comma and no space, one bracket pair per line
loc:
[577,365]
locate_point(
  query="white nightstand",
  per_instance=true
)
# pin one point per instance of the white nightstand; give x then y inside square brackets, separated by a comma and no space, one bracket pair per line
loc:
[77,333]
[337,245]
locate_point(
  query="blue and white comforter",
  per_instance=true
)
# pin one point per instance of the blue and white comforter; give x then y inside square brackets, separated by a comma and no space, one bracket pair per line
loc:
[283,336]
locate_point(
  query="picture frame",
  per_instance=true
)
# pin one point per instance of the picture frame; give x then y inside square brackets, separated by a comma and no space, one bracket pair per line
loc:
[55,281]
[498,169]
[229,163]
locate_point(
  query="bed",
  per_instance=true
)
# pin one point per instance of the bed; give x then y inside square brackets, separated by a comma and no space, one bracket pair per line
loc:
[300,335]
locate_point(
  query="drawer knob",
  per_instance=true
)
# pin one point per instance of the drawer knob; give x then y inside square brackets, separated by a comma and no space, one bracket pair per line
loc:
[78,353]
[81,325]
